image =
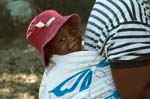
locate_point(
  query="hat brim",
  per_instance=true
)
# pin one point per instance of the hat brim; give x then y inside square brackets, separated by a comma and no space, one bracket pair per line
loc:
[73,18]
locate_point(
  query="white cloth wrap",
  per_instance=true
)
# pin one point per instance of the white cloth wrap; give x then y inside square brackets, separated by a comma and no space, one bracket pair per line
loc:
[89,78]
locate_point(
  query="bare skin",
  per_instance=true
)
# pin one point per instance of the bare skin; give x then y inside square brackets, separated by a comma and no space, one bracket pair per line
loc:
[133,83]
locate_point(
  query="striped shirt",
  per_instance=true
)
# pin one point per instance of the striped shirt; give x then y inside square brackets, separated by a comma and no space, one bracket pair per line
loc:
[119,30]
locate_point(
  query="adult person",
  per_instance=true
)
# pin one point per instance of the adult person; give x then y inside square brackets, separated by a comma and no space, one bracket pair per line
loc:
[120,31]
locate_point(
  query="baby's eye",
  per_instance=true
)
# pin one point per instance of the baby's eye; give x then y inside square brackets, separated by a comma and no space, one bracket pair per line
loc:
[62,39]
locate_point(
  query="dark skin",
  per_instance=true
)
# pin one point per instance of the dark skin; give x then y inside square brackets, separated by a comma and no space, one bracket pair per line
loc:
[130,79]
[67,40]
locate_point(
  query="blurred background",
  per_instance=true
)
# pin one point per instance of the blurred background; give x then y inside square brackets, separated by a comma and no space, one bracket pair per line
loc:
[20,65]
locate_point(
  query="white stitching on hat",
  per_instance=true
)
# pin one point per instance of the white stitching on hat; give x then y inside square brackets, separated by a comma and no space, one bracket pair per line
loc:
[40,24]
[50,21]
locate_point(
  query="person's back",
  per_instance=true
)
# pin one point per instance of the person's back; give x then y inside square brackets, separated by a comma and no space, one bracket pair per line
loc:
[124,27]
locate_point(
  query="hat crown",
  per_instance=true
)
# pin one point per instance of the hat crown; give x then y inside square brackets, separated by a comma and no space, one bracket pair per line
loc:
[46,15]
[40,21]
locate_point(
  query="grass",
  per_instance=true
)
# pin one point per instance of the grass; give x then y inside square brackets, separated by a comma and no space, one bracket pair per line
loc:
[20,70]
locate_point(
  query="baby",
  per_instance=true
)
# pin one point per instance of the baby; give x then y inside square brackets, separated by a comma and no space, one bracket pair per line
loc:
[70,73]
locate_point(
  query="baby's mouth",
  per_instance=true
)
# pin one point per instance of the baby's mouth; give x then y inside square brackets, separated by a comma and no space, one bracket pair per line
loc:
[76,46]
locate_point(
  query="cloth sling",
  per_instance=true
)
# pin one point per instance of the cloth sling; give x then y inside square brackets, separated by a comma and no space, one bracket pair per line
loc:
[78,75]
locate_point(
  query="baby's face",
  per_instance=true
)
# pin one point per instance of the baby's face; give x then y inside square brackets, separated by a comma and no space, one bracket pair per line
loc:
[67,40]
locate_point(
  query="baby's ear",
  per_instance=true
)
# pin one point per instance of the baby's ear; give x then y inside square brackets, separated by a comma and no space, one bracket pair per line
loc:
[48,55]
[47,61]
[48,52]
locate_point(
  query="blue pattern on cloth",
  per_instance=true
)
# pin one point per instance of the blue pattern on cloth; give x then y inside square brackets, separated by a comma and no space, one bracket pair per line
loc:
[114,95]
[87,76]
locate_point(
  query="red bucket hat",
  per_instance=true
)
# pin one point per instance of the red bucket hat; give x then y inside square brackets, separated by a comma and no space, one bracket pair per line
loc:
[45,26]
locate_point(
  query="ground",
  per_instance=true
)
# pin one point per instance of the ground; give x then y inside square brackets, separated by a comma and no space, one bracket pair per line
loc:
[20,70]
